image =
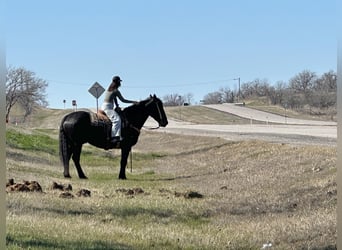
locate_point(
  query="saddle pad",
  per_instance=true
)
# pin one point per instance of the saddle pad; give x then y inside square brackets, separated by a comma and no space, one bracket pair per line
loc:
[99,117]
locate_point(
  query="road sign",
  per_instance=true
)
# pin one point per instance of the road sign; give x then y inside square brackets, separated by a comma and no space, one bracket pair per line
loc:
[96,90]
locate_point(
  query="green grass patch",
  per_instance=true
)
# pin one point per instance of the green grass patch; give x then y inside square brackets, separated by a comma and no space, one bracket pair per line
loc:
[39,242]
[95,157]
[31,142]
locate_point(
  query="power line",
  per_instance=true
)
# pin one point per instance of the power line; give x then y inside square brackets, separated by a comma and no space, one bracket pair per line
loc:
[152,86]
[179,85]
[69,83]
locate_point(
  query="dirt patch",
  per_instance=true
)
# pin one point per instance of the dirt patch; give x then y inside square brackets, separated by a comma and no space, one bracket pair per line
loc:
[63,187]
[34,186]
[80,193]
[83,193]
[186,195]
[25,186]
[133,191]
[66,188]
[66,195]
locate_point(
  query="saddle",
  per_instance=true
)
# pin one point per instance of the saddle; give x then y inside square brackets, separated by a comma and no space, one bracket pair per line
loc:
[100,116]
[100,119]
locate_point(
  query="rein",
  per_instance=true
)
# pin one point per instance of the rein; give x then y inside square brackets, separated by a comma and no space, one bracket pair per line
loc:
[135,128]
[160,115]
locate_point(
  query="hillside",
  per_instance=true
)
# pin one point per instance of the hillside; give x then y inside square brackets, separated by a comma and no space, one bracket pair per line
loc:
[50,118]
[187,192]
[198,114]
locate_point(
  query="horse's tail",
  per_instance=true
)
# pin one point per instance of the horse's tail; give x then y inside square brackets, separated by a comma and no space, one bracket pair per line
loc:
[64,148]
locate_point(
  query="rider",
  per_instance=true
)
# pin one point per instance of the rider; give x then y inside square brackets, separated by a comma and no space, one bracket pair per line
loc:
[111,95]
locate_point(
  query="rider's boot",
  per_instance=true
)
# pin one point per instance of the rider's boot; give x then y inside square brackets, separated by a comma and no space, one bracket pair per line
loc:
[115,141]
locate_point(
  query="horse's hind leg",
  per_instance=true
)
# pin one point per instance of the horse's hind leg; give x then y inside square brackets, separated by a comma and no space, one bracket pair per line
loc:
[65,151]
[76,158]
[66,166]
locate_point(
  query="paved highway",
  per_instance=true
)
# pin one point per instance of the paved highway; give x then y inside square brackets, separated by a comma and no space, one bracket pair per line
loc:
[295,131]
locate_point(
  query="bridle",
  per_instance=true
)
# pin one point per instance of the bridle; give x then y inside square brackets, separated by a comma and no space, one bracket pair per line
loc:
[159,112]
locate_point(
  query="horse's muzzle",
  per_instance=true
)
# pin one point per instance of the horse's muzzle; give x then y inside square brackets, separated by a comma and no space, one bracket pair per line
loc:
[163,123]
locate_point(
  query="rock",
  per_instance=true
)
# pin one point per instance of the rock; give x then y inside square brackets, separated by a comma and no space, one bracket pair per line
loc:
[10,182]
[19,187]
[138,191]
[66,195]
[316,169]
[178,194]
[130,192]
[34,186]
[121,190]
[192,194]
[26,186]
[332,193]
[66,187]
[84,193]
[133,191]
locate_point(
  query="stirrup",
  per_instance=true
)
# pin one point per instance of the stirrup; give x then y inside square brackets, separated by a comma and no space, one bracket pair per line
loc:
[115,139]
[113,142]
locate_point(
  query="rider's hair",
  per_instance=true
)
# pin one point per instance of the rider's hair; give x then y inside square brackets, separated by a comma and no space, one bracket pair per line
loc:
[114,85]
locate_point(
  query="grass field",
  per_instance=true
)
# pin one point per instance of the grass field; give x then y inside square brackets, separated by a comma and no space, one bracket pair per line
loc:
[255,194]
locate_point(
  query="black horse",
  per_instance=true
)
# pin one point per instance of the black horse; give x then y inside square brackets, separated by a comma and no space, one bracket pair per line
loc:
[77,128]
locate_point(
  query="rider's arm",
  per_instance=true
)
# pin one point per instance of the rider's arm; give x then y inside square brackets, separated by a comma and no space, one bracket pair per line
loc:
[118,94]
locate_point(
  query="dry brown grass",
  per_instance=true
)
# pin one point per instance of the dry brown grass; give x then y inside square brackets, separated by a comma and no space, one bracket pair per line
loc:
[203,115]
[279,193]
[254,193]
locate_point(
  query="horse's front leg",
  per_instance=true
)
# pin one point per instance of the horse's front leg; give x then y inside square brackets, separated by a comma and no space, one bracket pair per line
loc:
[123,163]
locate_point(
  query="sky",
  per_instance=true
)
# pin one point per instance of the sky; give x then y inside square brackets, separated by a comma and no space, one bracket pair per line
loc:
[167,47]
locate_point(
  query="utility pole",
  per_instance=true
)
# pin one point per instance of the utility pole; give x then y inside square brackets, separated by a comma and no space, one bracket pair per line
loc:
[238,97]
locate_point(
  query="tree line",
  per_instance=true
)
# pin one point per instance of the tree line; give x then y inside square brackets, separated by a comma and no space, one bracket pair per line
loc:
[305,88]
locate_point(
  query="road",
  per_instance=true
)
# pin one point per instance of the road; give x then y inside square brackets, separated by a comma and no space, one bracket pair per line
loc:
[295,131]
[257,115]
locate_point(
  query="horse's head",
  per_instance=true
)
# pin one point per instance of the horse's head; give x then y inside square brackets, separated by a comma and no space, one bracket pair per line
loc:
[155,109]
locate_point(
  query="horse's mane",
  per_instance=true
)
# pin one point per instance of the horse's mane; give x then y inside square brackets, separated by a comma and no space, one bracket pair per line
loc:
[139,105]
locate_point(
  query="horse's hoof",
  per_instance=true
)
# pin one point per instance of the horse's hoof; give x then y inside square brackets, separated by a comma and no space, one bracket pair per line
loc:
[122,178]
[83,177]
[67,176]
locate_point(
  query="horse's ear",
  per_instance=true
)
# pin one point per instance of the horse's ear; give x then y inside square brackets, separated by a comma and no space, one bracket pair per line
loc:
[154,96]
[150,96]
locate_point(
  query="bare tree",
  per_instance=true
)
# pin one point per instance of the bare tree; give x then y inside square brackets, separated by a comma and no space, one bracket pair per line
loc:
[293,100]
[227,95]
[324,94]
[276,93]
[257,87]
[327,82]
[188,98]
[303,82]
[176,99]
[25,88]
[173,100]
[213,98]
